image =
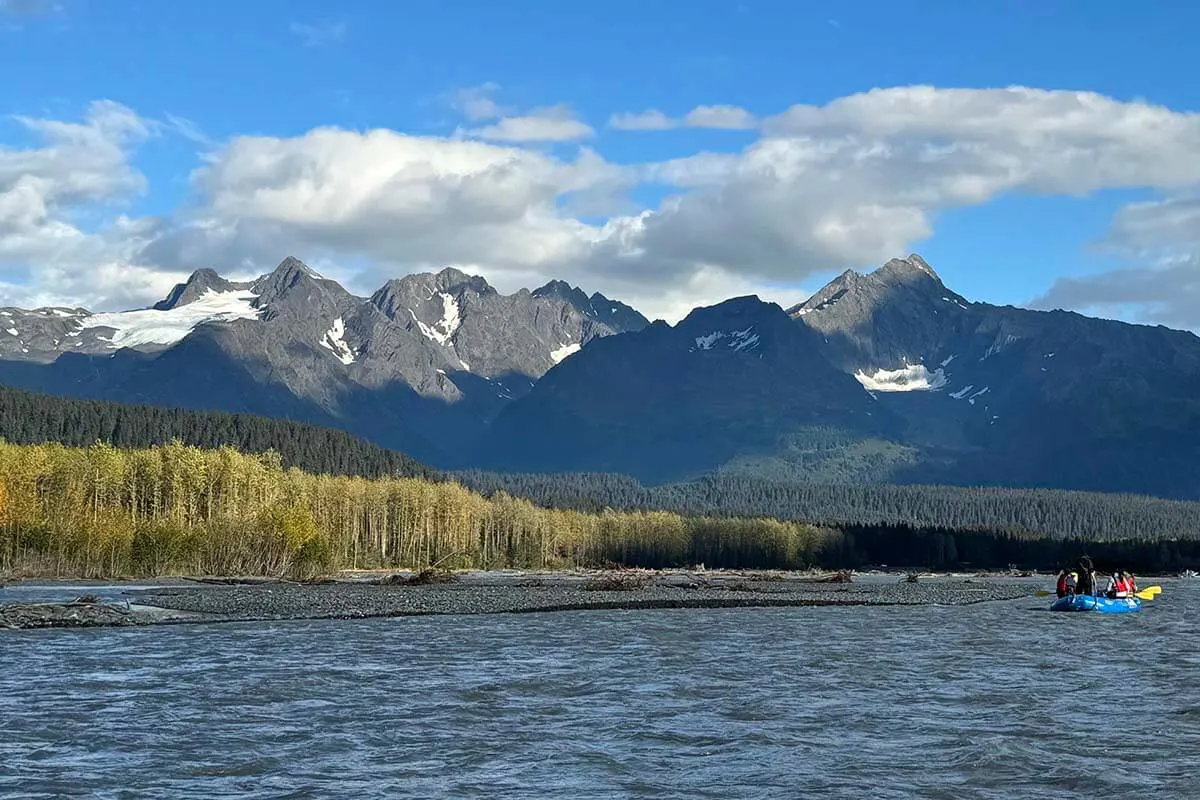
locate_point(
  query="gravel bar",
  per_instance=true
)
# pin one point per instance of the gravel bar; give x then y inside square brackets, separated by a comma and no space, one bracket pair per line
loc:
[65,615]
[343,600]
[359,599]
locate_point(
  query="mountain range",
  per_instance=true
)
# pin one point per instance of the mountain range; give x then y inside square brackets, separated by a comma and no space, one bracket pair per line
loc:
[881,377]
[422,365]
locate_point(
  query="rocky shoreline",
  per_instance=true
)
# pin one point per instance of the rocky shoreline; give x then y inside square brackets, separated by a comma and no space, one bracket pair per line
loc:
[369,595]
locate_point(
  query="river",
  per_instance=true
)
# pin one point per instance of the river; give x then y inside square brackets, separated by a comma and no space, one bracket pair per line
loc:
[992,700]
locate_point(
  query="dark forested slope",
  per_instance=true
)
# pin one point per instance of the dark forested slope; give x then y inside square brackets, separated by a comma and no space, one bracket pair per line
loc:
[27,418]
[1078,515]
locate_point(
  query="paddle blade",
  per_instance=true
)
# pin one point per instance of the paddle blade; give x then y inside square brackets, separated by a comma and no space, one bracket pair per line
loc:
[1042,593]
[1149,593]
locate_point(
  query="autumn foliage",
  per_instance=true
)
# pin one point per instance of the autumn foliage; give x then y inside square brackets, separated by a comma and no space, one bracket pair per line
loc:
[102,511]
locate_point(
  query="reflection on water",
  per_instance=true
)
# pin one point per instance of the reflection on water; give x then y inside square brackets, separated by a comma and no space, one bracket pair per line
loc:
[993,700]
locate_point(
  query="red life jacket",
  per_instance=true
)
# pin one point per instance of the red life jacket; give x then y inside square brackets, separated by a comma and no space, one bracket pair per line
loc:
[1061,588]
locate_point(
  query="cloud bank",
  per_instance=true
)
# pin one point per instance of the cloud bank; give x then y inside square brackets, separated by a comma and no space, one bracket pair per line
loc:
[513,195]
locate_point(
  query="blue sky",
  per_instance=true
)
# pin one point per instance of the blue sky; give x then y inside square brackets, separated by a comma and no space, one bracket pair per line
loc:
[238,88]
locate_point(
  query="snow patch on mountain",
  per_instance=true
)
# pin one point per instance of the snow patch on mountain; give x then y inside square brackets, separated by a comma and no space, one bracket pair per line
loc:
[745,339]
[562,352]
[151,326]
[333,341]
[444,329]
[999,345]
[910,378]
[966,390]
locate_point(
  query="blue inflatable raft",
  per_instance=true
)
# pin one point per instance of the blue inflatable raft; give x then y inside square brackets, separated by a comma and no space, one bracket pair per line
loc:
[1085,602]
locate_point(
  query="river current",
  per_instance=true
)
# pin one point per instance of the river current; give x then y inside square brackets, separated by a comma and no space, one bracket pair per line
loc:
[993,700]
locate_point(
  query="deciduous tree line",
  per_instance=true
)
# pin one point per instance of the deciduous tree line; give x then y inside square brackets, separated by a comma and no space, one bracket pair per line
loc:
[175,509]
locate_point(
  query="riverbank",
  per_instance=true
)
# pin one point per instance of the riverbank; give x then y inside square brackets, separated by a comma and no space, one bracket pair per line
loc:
[366,595]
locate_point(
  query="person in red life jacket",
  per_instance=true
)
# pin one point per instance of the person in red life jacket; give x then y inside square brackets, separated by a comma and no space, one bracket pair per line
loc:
[1066,582]
[1118,587]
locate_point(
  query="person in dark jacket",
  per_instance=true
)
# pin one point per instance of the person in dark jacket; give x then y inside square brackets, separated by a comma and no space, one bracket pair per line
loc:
[1086,581]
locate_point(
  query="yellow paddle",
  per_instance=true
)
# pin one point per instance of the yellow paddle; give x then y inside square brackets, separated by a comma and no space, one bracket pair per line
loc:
[1149,593]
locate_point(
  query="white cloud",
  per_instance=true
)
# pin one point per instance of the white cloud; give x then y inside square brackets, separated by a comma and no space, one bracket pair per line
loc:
[557,123]
[551,124]
[649,120]
[402,202]
[80,162]
[1160,230]
[721,117]
[319,34]
[855,182]
[724,117]
[187,129]
[476,103]
[1163,237]
[1032,139]
[80,167]
[1167,294]
[705,286]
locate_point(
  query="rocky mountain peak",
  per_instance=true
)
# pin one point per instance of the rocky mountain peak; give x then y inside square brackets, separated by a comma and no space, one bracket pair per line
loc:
[290,272]
[558,287]
[612,314]
[743,324]
[912,268]
[401,295]
[199,283]
[294,284]
[617,315]
[742,307]
[886,319]
[571,294]
[450,279]
[293,264]
[908,284]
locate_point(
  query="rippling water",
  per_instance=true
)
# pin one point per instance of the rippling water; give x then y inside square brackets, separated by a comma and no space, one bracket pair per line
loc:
[992,700]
